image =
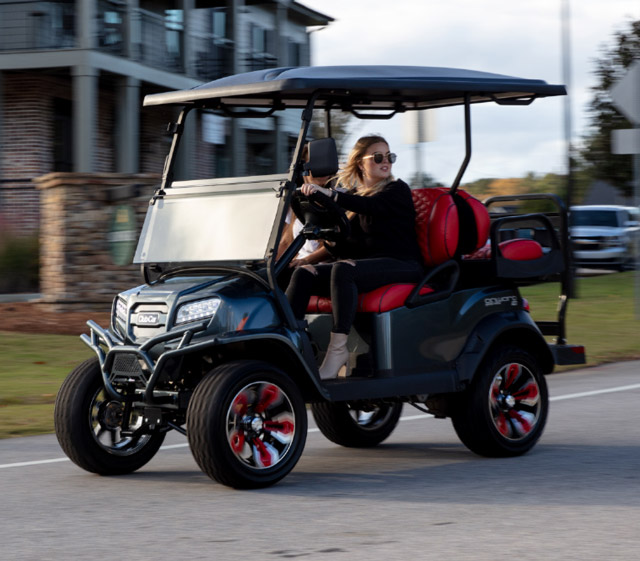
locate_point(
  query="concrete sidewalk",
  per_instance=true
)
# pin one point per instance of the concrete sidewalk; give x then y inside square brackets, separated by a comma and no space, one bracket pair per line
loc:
[20,297]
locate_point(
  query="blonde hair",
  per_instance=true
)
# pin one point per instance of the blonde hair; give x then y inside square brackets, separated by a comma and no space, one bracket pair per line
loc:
[351,176]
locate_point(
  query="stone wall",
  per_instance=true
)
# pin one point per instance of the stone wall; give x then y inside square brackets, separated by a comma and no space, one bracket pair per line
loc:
[89,225]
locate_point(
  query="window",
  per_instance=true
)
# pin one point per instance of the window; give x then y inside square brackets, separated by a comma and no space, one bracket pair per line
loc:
[219,23]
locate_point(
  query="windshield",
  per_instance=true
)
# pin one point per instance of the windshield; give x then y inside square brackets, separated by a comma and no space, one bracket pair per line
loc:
[210,221]
[606,218]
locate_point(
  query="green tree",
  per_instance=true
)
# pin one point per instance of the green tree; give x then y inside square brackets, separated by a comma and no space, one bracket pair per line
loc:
[604,117]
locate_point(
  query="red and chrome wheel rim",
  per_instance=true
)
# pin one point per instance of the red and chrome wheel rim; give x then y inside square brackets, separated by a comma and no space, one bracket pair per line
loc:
[514,401]
[260,425]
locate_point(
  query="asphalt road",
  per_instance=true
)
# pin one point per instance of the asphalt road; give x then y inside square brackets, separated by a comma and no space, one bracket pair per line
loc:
[419,496]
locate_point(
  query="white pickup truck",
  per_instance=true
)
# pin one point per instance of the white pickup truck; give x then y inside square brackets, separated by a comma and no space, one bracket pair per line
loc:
[604,235]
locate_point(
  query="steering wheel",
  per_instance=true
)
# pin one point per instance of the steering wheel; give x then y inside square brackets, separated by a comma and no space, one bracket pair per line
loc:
[322,217]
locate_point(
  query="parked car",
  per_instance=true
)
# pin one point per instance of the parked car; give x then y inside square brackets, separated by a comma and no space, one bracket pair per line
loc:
[604,235]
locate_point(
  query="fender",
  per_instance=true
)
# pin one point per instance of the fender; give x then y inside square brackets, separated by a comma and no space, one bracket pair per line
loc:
[503,327]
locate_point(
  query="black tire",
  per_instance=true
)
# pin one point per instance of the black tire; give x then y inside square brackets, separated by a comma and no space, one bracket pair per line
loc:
[356,426]
[246,424]
[87,424]
[504,411]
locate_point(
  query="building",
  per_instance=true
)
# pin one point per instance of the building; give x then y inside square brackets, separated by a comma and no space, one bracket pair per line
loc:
[73,74]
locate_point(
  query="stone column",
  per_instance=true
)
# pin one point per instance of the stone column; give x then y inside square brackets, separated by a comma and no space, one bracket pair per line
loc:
[81,236]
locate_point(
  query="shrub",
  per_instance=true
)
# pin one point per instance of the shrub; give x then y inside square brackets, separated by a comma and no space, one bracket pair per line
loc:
[19,263]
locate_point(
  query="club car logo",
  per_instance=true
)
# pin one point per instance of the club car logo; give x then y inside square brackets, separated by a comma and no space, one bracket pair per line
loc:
[509,300]
[148,318]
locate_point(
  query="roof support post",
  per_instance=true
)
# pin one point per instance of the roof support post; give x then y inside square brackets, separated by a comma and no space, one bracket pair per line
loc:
[467,141]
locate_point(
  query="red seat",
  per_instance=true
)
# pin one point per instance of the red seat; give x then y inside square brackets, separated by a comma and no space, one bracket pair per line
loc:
[515,250]
[448,226]
[380,300]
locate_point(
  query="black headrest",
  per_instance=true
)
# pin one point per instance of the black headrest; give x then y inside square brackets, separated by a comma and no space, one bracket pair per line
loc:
[323,157]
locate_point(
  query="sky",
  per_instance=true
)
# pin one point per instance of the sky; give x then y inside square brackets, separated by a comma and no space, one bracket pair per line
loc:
[519,38]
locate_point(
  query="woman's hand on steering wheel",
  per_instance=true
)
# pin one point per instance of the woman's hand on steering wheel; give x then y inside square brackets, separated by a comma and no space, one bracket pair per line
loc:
[311,188]
[316,206]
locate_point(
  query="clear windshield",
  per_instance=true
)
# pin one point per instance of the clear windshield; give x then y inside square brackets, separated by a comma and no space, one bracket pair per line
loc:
[210,221]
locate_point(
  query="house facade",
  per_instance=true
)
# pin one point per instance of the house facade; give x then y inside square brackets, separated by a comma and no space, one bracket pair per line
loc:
[73,74]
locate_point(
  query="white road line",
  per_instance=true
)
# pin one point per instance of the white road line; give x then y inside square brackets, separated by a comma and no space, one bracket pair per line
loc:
[595,392]
[36,463]
[408,418]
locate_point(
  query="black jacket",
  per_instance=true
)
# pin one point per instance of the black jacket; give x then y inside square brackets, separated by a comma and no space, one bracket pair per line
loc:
[384,225]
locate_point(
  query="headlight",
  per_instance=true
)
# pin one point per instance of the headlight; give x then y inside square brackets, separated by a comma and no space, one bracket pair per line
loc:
[195,311]
[121,310]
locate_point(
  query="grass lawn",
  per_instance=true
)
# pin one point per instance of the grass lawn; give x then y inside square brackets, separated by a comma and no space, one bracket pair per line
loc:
[602,317]
[32,367]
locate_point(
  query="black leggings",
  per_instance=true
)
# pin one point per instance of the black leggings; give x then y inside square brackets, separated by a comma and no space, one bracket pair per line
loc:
[343,280]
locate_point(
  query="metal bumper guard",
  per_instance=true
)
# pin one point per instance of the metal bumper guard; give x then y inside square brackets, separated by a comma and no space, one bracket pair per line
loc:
[102,338]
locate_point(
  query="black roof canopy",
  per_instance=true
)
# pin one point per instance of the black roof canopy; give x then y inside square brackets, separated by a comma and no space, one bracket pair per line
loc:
[397,88]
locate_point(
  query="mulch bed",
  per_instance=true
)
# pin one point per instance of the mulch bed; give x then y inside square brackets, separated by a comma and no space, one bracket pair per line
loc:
[31,317]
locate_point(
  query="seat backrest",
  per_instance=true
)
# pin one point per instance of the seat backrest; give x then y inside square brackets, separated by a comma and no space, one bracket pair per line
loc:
[323,157]
[449,225]
[475,223]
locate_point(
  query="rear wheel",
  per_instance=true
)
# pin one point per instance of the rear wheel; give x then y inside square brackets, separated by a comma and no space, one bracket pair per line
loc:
[356,425]
[504,411]
[247,424]
[89,426]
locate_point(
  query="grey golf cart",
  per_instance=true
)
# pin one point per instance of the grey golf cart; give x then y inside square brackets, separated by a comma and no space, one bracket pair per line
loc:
[208,345]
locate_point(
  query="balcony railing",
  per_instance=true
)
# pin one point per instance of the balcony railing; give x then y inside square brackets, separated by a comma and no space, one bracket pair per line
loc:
[212,57]
[161,42]
[29,25]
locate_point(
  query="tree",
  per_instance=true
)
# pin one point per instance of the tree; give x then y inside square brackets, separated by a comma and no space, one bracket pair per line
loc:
[604,117]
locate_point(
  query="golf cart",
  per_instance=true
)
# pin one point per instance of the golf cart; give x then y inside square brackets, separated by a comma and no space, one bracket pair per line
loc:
[208,345]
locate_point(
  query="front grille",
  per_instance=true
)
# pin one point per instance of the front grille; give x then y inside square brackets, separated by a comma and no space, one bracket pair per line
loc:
[588,244]
[126,366]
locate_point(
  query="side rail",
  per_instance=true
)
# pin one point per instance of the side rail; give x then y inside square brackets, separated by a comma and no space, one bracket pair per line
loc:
[526,247]
[551,230]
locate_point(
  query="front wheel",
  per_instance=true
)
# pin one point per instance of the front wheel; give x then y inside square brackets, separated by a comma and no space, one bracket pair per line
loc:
[504,411]
[247,424]
[89,426]
[356,425]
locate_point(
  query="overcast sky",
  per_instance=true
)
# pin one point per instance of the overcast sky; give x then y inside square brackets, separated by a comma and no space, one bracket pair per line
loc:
[519,38]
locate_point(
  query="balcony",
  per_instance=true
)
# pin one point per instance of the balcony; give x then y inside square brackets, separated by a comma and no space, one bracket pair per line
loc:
[37,25]
[161,39]
[157,39]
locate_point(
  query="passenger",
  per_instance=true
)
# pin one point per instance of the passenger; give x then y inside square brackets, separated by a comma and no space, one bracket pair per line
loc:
[381,249]
[313,251]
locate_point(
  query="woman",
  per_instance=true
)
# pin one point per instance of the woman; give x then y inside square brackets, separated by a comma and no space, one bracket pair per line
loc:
[381,249]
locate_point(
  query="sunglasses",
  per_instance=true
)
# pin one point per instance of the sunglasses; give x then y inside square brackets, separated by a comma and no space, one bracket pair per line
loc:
[378,157]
